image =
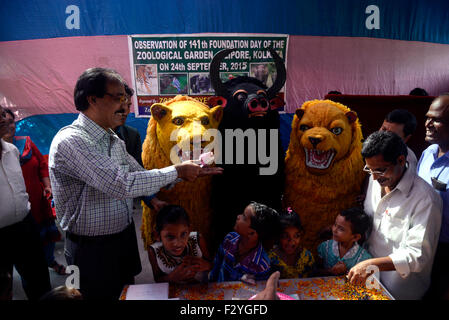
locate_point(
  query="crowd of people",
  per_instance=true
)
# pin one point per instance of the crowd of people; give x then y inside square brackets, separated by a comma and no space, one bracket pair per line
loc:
[94,172]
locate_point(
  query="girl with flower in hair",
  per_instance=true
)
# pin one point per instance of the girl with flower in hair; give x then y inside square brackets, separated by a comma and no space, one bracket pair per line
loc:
[289,257]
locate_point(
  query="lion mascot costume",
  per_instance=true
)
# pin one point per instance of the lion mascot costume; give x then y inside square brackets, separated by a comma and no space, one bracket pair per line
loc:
[191,119]
[323,165]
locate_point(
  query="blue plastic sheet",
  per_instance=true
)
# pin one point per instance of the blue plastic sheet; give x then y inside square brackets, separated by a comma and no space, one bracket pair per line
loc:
[415,20]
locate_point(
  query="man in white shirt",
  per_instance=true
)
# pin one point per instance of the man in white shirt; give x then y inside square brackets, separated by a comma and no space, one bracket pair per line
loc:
[20,244]
[406,215]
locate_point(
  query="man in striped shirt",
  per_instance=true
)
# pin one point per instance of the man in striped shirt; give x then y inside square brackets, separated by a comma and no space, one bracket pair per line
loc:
[94,181]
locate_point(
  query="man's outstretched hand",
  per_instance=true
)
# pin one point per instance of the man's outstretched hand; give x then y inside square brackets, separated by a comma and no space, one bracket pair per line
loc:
[207,171]
[269,293]
[189,170]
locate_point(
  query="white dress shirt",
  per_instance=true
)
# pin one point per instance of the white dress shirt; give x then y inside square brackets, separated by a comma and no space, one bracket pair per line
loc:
[14,205]
[406,226]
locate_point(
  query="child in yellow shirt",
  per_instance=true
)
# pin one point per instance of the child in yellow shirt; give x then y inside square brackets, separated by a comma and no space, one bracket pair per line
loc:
[289,257]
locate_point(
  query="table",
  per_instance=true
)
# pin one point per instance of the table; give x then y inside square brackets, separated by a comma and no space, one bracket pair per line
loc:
[319,288]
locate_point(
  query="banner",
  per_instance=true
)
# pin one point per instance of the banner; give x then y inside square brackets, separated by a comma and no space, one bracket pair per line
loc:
[167,65]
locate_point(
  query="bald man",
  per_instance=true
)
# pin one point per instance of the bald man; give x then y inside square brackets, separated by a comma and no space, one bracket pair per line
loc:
[433,166]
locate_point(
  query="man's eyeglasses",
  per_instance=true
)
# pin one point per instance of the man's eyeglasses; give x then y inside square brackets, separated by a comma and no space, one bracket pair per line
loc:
[380,173]
[120,98]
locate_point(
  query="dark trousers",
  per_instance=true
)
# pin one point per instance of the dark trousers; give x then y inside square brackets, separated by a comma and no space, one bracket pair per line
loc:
[439,283]
[21,246]
[106,263]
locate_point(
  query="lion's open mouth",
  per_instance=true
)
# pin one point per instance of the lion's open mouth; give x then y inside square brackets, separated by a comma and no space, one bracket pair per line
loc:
[319,159]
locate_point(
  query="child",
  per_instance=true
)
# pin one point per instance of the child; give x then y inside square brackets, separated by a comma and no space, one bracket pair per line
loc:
[292,260]
[180,256]
[241,256]
[343,252]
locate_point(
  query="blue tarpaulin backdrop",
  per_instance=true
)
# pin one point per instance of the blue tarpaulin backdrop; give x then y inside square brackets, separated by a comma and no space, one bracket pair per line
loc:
[415,20]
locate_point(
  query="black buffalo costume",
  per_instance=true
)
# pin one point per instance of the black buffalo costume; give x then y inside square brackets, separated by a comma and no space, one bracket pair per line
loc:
[249,104]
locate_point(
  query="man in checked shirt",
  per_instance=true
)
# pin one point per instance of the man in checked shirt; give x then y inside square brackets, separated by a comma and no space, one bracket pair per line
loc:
[94,181]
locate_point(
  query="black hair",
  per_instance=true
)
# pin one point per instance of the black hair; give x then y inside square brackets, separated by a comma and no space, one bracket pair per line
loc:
[444,95]
[129,91]
[385,143]
[418,92]
[171,214]
[404,117]
[93,82]
[360,222]
[265,221]
[10,112]
[334,92]
[62,293]
[289,218]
